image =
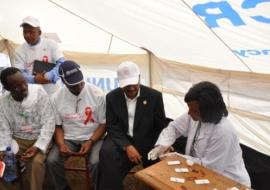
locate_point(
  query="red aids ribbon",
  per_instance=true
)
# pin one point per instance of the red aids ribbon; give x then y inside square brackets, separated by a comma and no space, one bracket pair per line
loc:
[45,59]
[89,115]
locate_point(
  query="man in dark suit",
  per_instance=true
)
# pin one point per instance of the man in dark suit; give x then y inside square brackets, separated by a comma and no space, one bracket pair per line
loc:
[134,116]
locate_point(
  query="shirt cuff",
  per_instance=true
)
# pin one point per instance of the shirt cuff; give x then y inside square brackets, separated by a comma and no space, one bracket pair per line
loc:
[41,145]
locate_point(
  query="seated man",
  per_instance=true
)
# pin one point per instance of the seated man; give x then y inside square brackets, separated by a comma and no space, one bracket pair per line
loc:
[134,116]
[211,138]
[26,114]
[80,122]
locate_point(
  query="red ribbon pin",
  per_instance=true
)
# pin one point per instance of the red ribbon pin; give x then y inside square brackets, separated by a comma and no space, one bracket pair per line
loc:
[89,115]
[45,59]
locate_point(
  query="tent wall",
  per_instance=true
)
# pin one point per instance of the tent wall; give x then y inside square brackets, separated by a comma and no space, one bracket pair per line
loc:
[244,93]
[8,48]
[100,69]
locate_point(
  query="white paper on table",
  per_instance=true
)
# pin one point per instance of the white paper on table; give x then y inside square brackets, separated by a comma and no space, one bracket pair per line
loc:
[174,162]
[177,180]
[202,181]
[181,170]
[233,188]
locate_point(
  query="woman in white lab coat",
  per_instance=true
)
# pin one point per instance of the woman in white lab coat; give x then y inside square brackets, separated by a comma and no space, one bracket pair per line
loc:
[211,138]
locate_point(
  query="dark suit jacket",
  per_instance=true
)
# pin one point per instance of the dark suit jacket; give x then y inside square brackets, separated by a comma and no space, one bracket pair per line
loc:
[148,122]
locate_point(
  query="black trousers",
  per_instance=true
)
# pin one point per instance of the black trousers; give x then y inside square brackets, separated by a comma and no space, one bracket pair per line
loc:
[114,165]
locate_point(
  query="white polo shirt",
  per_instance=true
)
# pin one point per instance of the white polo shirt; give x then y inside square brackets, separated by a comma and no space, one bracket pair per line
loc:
[79,115]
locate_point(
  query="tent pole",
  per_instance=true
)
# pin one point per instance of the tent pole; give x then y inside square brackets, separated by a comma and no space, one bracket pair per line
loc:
[9,49]
[110,44]
[149,55]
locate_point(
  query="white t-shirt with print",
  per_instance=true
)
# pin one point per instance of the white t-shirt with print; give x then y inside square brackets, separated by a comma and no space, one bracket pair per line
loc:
[45,49]
[79,115]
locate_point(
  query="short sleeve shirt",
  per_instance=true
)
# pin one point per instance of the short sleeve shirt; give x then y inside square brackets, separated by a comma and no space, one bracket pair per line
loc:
[79,115]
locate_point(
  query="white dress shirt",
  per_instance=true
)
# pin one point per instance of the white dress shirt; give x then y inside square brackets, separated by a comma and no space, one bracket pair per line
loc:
[131,107]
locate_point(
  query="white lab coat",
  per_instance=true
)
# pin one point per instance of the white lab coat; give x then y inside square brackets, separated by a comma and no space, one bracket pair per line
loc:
[217,146]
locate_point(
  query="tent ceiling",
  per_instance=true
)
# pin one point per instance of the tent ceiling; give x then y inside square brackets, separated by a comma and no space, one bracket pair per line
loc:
[75,34]
[169,29]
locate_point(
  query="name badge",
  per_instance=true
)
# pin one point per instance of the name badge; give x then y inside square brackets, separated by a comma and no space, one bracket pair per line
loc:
[27,128]
[73,117]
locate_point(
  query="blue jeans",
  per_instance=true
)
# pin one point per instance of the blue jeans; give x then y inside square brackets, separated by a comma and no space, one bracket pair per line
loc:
[55,162]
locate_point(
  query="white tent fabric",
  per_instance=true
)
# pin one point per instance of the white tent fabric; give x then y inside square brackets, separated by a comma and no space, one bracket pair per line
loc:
[244,93]
[75,33]
[161,25]
[226,42]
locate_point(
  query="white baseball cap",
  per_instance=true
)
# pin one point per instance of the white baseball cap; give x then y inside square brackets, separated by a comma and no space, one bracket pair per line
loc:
[31,21]
[128,74]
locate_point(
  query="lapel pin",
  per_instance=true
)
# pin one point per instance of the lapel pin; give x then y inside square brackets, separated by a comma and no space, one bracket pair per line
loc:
[144,102]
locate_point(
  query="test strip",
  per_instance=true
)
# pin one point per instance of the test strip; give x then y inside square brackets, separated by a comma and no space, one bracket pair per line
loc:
[181,170]
[177,180]
[202,181]
[175,162]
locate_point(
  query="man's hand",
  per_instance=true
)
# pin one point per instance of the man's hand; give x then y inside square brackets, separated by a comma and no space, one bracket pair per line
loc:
[133,154]
[40,79]
[64,150]
[86,146]
[29,153]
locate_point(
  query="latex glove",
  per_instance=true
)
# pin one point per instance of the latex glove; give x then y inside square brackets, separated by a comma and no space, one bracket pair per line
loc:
[156,152]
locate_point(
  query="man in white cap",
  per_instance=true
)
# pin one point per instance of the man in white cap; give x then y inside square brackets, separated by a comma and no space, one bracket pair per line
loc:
[134,117]
[38,49]
[80,123]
